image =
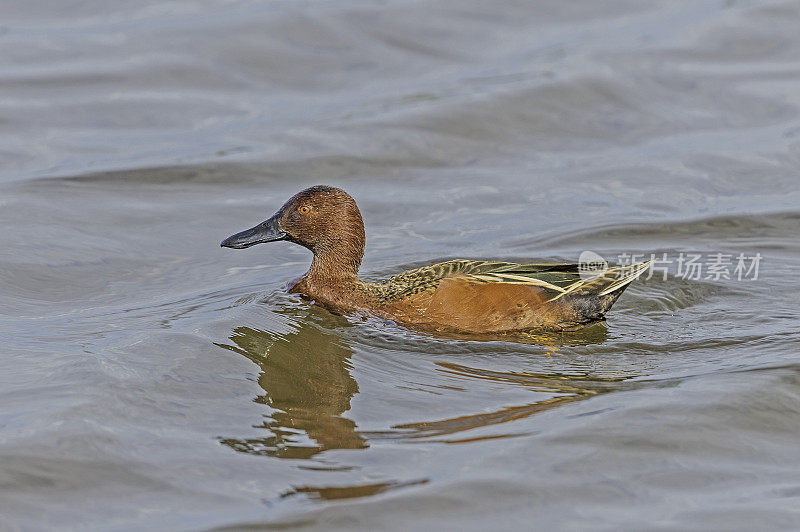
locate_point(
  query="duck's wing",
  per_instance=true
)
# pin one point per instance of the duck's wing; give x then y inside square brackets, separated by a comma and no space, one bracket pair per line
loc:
[504,297]
[558,280]
[483,296]
[427,278]
[541,283]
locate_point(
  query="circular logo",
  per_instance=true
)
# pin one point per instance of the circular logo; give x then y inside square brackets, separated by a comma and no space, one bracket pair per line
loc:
[591,265]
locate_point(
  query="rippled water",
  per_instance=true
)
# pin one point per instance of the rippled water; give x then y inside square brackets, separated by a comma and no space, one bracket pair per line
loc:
[150,379]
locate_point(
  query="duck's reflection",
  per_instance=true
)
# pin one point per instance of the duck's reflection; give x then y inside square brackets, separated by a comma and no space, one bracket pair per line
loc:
[558,390]
[552,342]
[306,379]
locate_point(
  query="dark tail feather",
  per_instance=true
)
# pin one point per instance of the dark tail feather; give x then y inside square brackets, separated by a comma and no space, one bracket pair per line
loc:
[592,308]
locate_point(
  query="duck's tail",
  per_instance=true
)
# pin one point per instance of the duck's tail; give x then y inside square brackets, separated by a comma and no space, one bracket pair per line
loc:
[621,277]
[594,296]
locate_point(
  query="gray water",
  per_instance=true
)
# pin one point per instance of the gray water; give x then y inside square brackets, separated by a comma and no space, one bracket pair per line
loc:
[152,380]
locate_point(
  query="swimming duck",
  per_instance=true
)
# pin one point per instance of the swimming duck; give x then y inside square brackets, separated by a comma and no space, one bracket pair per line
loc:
[473,296]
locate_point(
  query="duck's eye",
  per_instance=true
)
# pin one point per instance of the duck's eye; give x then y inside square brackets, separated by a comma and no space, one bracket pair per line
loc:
[305,209]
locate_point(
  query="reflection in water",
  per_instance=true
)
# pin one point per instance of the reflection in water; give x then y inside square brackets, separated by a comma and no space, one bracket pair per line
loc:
[561,389]
[306,379]
[552,342]
[350,492]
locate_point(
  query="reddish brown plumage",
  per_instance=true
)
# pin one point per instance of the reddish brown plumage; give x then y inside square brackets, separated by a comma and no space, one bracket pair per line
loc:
[471,296]
[332,229]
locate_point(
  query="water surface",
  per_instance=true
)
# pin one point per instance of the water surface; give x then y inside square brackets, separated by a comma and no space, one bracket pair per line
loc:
[150,379]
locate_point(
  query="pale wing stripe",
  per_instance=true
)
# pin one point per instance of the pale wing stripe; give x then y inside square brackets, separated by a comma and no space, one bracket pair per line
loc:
[576,284]
[571,288]
[638,270]
[616,284]
[498,277]
[488,278]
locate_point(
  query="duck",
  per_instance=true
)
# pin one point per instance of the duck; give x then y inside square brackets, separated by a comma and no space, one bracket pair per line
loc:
[461,295]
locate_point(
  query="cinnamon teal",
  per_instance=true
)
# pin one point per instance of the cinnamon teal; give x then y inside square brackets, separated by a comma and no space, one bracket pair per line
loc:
[473,296]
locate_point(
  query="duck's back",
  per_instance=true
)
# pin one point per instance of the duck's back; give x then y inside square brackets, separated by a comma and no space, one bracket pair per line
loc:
[488,296]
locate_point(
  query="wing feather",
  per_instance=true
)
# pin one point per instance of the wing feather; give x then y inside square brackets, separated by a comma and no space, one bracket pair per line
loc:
[564,279]
[557,279]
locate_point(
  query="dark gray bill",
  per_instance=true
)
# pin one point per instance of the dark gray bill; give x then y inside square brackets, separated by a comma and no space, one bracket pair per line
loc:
[268,231]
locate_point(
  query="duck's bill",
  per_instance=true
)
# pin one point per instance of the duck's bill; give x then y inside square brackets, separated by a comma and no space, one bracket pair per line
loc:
[268,231]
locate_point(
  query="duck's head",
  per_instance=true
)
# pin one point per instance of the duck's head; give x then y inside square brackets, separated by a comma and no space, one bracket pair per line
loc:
[323,219]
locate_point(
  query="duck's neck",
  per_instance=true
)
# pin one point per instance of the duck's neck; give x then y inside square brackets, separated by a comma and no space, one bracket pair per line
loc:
[323,270]
[335,261]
